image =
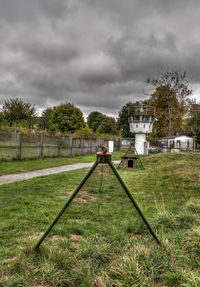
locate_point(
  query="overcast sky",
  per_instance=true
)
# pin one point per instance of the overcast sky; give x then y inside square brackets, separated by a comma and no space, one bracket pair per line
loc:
[94,53]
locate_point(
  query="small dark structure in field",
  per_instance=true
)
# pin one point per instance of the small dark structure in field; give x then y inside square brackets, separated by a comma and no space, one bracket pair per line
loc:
[128,162]
[131,157]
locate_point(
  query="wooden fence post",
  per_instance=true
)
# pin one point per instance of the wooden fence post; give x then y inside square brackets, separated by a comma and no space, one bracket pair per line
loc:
[82,146]
[91,141]
[19,156]
[41,145]
[59,145]
[70,146]
[119,144]
[97,145]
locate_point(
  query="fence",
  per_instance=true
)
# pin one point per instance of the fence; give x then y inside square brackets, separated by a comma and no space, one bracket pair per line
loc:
[19,146]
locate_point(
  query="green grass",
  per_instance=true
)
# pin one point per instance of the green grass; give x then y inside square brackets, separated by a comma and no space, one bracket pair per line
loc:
[167,192]
[34,164]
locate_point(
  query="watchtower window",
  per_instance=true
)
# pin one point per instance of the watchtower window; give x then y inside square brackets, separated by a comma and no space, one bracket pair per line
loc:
[136,125]
[137,118]
[144,126]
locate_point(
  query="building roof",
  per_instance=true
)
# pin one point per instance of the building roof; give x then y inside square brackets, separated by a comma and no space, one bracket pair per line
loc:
[168,138]
[183,138]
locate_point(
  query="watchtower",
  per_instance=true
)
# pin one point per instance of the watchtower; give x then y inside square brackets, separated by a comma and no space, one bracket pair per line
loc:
[141,119]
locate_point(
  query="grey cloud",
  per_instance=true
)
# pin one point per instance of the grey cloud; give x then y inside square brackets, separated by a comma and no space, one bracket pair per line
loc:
[17,11]
[168,42]
[173,6]
[96,54]
[143,55]
[133,10]
[54,8]
[100,77]
[49,53]
[51,88]
[29,11]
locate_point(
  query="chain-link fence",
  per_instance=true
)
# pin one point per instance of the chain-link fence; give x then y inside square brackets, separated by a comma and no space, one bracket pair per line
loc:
[17,146]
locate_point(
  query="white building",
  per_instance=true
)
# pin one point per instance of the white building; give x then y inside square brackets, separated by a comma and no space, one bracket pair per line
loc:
[141,122]
[178,143]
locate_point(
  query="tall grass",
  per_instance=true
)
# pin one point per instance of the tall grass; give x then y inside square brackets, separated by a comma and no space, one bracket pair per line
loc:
[167,192]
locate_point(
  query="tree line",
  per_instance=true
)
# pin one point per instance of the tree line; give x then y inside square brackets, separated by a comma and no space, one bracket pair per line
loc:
[64,118]
[176,113]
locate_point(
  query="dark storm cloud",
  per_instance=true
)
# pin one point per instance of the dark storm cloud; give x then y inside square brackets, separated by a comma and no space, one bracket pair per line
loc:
[26,11]
[49,53]
[96,54]
[99,78]
[143,54]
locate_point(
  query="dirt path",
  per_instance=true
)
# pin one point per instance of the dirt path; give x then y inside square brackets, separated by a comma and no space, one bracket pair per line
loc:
[4,179]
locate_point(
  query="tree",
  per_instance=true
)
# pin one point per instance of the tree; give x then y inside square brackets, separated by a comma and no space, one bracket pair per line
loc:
[168,115]
[44,121]
[84,132]
[123,123]
[66,118]
[16,111]
[2,119]
[176,81]
[94,120]
[193,126]
[108,126]
[171,98]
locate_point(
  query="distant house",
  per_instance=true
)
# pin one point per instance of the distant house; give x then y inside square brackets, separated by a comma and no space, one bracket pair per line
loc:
[125,143]
[179,143]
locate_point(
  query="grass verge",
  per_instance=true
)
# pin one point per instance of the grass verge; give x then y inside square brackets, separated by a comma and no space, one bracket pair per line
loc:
[168,193]
[34,164]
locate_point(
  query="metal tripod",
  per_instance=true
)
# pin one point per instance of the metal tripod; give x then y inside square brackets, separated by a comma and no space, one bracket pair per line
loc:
[102,158]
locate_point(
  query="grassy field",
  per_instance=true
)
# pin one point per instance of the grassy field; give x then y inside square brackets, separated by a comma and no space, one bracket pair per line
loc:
[34,164]
[168,192]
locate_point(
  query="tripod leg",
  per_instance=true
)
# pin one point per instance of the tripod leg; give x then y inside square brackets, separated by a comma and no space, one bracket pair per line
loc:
[66,204]
[139,158]
[133,201]
[124,155]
